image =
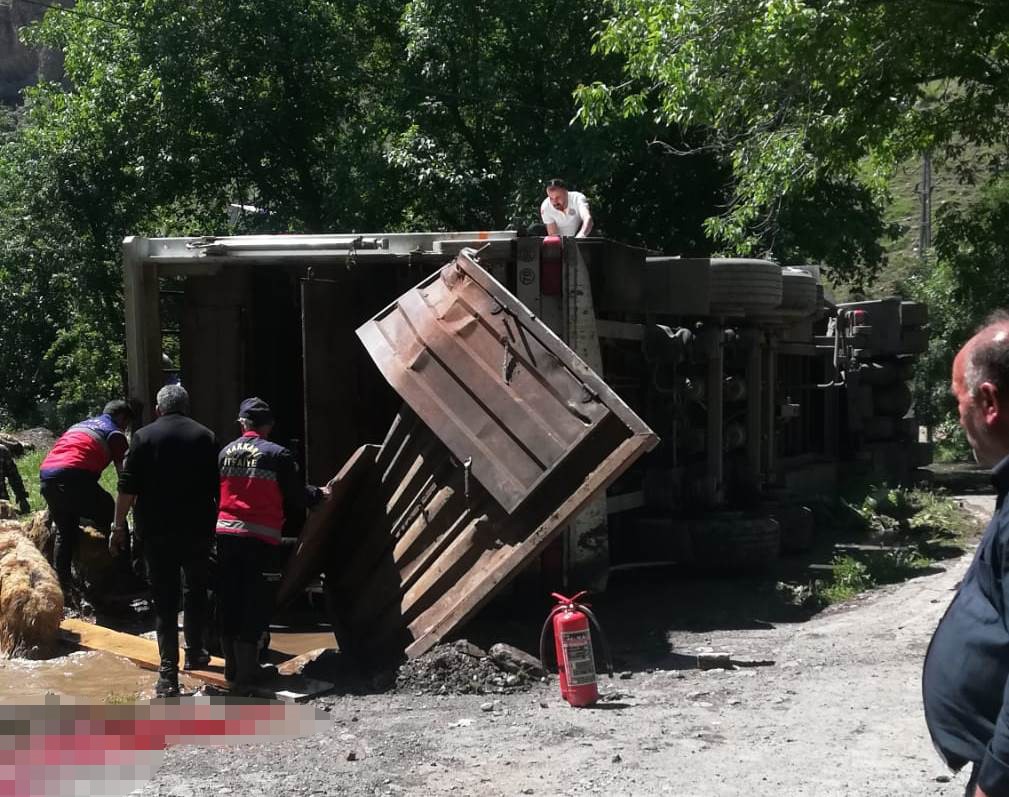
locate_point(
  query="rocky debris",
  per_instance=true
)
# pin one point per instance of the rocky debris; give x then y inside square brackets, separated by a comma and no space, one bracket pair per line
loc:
[513,660]
[37,439]
[462,668]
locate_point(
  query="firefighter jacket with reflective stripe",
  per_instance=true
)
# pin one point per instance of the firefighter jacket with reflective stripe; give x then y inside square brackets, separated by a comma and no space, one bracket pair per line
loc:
[257,479]
[88,446]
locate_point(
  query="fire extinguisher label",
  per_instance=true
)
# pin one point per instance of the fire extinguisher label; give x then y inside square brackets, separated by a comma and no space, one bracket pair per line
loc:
[578,660]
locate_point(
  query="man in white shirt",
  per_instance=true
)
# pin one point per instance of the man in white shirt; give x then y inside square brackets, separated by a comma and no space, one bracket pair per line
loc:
[565,212]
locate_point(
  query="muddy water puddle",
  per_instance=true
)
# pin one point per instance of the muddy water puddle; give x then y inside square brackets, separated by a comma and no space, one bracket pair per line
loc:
[105,677]
[89,674]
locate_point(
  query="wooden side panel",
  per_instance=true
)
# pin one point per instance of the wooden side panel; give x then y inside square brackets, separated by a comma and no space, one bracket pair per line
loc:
[214,348]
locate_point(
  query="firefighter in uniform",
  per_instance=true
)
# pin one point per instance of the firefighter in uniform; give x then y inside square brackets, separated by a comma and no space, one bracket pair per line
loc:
[69,480]
[258,479]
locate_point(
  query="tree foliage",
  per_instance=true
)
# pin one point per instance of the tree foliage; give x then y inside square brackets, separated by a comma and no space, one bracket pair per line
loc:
[332,115]
[813,101]
[969,282]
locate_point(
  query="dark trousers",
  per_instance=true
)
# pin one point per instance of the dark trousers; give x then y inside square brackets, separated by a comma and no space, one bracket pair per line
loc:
[171,565]
[70,497]
[244,599]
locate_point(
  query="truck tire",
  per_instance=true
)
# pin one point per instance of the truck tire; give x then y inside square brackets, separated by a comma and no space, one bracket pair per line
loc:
[731,541]
[878,374]
[892,401]
[796,524]
[747,285]
[913,314]
[879,428]
[913,340]
[905,367]
[798,290]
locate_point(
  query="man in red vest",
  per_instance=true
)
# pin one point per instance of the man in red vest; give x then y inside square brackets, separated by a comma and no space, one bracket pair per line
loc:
[69,476]
[258,479]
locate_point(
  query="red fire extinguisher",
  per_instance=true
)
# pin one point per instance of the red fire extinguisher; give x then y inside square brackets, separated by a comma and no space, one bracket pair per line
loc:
[576,666]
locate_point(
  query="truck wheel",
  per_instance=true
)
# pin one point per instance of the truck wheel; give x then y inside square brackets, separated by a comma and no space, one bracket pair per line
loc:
[913,340]
[892,401]
[735,542]
[879,428]
[913,314]
[748,285]
[796,524]
[798,290]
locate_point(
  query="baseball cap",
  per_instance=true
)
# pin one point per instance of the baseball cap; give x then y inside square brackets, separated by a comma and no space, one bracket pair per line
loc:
[256,410]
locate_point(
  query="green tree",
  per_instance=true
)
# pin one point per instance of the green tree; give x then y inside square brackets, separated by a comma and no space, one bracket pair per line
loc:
[969,281]
[333,115]
[488,114]
[811,100]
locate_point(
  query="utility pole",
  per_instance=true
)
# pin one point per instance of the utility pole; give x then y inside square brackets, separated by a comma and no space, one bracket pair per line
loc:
[925,228]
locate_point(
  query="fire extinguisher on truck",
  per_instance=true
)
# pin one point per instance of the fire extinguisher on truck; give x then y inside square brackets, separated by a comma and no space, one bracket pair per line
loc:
[576,666]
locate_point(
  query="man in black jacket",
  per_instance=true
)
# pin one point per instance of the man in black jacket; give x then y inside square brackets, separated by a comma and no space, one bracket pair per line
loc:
[965,683]
[171,474]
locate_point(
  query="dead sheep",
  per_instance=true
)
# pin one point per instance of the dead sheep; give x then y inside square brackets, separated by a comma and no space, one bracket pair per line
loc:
[95,564]
[31,602]
[40,531]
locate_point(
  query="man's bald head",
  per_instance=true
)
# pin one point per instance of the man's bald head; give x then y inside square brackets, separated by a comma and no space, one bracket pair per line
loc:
[987,356]
[981,387]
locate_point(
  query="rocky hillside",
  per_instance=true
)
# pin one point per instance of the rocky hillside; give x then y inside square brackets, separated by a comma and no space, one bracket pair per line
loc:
[19,65]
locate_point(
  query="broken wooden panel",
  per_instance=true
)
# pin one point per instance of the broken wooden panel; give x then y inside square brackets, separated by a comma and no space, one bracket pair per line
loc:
[422,545]
[424,539]
[494,383]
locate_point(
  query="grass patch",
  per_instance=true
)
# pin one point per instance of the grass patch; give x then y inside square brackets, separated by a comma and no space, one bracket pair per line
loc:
[913,528]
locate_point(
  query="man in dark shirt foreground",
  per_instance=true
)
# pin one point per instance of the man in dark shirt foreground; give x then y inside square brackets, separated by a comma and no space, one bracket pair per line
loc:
[966,674]
[171,474]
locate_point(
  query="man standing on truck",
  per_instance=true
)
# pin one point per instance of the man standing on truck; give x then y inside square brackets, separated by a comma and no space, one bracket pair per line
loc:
[258,479]
[565,212]
[69,482]
[9,473]
[965,682]
[171,476]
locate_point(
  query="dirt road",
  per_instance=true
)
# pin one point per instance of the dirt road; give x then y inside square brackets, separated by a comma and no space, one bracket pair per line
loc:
[837,713]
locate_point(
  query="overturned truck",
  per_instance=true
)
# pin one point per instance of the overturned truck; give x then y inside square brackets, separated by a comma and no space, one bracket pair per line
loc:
[495,404]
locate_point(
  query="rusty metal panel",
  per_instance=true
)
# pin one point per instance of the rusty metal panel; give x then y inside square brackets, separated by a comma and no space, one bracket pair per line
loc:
[505,395]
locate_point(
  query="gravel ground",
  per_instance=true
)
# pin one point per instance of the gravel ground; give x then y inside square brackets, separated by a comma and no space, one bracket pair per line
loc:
[830,706]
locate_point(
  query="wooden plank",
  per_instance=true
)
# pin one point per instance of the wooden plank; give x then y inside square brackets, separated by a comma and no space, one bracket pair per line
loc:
[144,653]
[309,556]
[466,604]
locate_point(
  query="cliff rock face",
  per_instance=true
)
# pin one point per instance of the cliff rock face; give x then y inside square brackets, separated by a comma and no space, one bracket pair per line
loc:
[19,65]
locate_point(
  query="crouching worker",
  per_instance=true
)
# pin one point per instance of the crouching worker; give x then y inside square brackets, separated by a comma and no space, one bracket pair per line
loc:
[258,479]
[69,482]
[9,474]
[170,479]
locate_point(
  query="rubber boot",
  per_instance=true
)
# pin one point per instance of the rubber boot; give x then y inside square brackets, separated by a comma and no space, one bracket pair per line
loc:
[247,673]
[228,650]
